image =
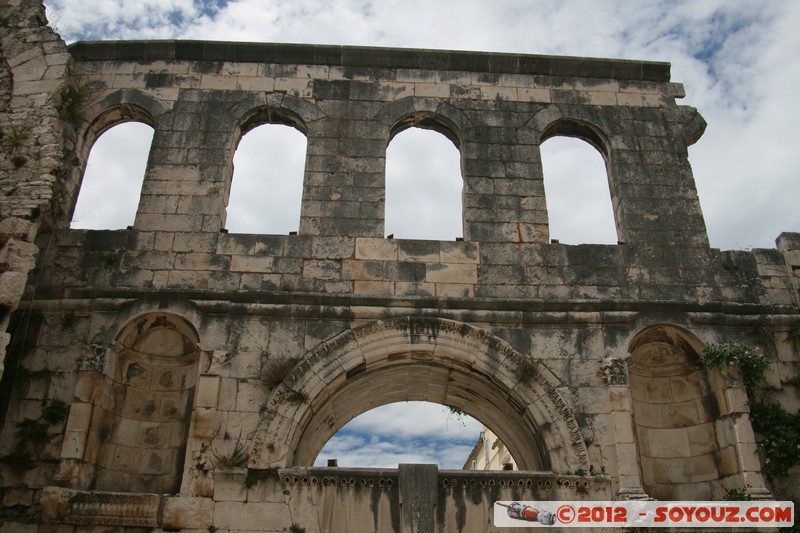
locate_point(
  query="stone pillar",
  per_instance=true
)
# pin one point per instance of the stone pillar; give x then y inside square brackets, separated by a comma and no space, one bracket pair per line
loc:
[789,244]
[613,372]
[739,464]
[33,68]
[79,448]
[418,494]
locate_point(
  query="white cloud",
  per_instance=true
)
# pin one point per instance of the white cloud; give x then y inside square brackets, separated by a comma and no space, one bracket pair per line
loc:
[113,178]
[423,192]
[407,432]
[267,184]
[736,60]
[575,172]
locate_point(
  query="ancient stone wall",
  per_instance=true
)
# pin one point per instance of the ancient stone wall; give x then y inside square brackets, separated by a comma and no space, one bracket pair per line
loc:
[170,339]
[33,68]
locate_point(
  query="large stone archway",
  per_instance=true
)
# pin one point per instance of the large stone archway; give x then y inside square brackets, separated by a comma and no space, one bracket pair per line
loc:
[434,360]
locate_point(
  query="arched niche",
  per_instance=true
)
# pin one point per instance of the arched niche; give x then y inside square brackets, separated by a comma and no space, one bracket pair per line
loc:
[674,414]
[142,408]
[433,360]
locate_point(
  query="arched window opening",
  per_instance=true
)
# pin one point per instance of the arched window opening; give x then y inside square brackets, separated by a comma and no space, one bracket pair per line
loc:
[415,432]
[267,183]
[579,204]
[112,182]
[423,186]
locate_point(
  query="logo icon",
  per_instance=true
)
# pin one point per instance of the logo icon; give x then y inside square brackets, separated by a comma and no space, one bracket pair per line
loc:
[529,514]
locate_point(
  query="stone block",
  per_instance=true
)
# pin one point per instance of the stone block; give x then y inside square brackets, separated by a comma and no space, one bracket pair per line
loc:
[499,93]
[362,270]
[207,393]
[702,439]
[80,416]
[728,461]
[240,263]
[455,290]
[435,90]
[678,471]
[423,251]
[85,385]
[459,252]
[602,98]
[295,87]
[459,273]
[185,512]
[404,288]
[373,287]
[684,389]
[204,423]
[629,99]
[229,487]
[628,459]
[192,242]
[620,398]
[376,249]
[672,442]
[594,400]
[322,269]
[201,261]
[74,444]
[238,516]
[250,395]
[702,468]
[332,248]
[736,399]
[683,414]
[623,427]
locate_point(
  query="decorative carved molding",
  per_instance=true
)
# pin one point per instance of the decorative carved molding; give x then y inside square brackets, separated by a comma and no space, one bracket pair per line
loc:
[614,371]
[68,506]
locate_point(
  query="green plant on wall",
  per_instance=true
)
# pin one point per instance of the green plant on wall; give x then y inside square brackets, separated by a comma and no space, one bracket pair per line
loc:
[257,475]
[73,101]
[526,369]
[16,138]
[751,363]
[69,321]
[110,258]
[779,430]
[32,435]
[274,371]
[738,494]
[296,397]
[54,411]
[780,436]
[237,457]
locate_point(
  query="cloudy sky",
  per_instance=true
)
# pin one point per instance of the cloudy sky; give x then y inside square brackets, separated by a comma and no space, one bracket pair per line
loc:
[737,60]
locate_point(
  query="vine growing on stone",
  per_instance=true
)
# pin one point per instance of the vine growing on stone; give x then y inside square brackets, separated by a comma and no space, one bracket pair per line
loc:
[778,430]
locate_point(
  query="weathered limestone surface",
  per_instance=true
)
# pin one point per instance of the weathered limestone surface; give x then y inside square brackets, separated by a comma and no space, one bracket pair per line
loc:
[32,70]
[201,372]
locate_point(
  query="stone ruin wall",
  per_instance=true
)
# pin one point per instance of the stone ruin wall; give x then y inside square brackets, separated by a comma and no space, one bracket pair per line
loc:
[166,337]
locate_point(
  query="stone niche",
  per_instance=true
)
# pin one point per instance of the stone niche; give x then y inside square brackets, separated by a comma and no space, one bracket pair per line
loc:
[140,407]
[674,412]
